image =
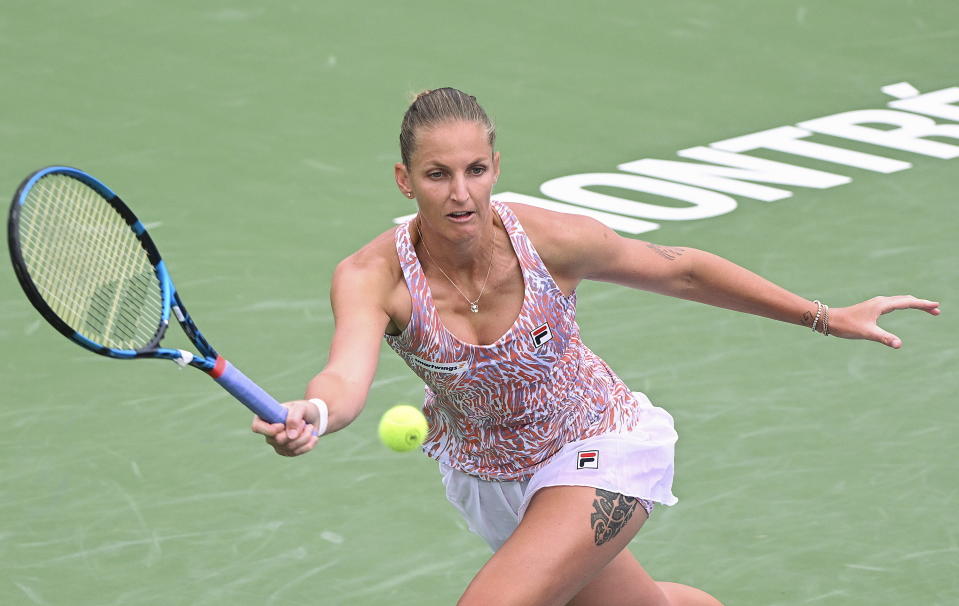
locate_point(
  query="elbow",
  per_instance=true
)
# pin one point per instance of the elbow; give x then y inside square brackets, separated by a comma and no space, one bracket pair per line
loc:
[686,282]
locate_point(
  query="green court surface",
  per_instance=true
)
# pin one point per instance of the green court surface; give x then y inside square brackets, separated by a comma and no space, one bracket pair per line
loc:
[257,139]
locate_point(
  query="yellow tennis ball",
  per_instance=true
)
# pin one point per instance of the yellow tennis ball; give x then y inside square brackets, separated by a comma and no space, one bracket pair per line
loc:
[403,428]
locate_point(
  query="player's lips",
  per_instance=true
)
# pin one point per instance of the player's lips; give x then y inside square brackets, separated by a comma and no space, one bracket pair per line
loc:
[461,216]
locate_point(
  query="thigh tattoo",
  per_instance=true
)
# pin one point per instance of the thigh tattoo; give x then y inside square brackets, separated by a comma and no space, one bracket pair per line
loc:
[613,511]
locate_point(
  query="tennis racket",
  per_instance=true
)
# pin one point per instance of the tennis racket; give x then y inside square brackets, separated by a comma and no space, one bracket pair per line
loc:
[91,269]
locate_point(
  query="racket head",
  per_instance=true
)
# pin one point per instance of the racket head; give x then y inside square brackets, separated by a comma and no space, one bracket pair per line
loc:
[87,264]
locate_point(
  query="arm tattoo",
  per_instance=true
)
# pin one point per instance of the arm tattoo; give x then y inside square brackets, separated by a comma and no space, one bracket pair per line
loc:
[807,319]
[613,511]
[670,254]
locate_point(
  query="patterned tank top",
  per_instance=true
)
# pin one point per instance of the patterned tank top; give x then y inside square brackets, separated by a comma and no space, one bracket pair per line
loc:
[500,411]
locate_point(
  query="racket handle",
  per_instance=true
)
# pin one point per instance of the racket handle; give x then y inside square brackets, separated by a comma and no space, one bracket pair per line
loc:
[247,392]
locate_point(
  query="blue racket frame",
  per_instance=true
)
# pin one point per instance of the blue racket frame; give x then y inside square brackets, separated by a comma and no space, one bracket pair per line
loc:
[206,358]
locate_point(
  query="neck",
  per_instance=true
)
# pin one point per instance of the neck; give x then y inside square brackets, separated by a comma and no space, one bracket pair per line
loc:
[465,257]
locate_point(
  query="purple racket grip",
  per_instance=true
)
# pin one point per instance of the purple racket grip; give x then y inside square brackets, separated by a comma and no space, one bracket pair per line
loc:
[246,391]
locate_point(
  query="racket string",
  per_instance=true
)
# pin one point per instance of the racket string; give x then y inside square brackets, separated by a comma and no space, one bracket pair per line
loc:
[88,264]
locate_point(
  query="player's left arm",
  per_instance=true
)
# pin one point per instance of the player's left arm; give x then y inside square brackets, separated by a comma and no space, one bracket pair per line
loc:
[592,251]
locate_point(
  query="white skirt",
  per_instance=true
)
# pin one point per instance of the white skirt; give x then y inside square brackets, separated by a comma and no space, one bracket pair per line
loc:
[637,463]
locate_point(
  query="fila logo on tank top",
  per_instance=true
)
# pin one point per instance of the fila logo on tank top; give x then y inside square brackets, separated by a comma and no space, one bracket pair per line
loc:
[541,334]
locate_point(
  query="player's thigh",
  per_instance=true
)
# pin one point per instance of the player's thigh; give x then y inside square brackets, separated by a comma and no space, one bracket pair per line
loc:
[622,582]
[567,536]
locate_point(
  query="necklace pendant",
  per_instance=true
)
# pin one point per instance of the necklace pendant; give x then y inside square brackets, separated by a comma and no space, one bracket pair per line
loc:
[474,308]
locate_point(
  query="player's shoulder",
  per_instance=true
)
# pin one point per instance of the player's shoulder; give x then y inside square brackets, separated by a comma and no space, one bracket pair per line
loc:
[551,230]
[375,262]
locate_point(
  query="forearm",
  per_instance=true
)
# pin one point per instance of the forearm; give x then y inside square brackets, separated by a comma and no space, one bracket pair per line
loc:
[344,399]
[715,281]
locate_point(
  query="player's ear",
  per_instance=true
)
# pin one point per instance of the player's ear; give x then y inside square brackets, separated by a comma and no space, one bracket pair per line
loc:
[402,175]
[495,166]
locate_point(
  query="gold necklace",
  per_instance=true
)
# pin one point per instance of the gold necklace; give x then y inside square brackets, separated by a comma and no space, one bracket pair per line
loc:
[474,305]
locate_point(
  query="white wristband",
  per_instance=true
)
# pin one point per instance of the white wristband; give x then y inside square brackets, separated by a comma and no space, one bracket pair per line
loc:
[324,415]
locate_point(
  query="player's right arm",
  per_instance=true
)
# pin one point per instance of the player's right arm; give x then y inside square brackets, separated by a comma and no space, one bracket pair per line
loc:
[359,295]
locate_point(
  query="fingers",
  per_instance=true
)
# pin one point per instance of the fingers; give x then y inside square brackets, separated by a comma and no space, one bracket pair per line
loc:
[888,304]
[886,338]
[301,413]
[293,438]
[285,441]
[264,428]
[908,302]
[289,444]
[860,321]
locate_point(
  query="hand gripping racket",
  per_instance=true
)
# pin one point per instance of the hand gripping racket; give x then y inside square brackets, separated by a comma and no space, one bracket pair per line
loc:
[91,269]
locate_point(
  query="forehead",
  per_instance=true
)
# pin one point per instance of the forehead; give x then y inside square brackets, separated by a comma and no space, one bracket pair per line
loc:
[447,142]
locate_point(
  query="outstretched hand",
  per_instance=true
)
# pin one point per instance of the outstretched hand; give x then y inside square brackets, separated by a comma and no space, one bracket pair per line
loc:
[860,321]
[296,436]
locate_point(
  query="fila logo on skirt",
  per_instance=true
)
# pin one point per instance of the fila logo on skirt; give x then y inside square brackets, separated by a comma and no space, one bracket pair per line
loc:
[587,459]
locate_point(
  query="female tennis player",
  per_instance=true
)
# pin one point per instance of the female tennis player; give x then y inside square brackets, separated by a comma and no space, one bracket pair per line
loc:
[543,449]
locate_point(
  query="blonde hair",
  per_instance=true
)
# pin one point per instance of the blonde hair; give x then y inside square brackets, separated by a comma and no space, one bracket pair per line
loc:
[436,106]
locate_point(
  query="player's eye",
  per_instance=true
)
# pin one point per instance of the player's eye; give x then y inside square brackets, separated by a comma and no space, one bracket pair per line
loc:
[477,170]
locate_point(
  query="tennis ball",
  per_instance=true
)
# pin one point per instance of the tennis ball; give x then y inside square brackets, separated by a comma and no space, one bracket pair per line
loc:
[403,428]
